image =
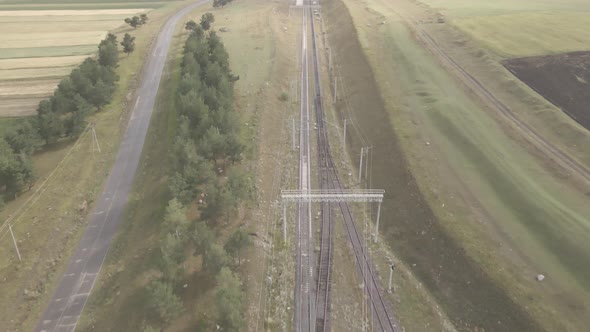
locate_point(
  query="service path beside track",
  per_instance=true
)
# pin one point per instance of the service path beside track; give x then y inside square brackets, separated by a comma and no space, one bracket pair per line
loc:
[66,306]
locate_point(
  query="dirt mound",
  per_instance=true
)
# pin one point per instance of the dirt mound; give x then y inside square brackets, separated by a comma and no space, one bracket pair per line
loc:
[563,79]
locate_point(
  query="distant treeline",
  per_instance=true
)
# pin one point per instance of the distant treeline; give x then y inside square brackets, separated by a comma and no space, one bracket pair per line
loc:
[86,90]
[205,170]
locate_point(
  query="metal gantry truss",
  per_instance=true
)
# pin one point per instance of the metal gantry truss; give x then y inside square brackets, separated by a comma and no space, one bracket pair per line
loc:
[331,195]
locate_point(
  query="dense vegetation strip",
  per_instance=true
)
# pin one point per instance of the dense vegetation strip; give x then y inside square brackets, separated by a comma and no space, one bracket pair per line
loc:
[206,171]
[87,89]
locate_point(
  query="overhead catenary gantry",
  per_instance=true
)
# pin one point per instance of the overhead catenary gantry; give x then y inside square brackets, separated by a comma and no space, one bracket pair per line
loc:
[331,195]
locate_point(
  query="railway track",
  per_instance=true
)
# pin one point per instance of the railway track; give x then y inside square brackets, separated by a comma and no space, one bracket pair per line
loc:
[551,151]
[329,180]
[304,318]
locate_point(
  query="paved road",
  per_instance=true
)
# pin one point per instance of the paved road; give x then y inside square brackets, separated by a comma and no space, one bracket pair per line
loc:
[304,319]
[66,305]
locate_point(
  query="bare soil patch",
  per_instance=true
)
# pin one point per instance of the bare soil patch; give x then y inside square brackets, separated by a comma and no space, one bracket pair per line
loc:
[562,79]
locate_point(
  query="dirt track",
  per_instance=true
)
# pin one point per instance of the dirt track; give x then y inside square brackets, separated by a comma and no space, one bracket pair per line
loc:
[563,79]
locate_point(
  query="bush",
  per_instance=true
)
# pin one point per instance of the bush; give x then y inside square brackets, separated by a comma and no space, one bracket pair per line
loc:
[284,97]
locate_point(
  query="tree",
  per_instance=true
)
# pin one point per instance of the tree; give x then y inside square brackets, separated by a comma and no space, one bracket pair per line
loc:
[190,25]
[229,300]
[220,3]
[24,138]
[143,18]
[212,145]
[16,170]
[149,328]
[134,21]
[102,94]
[62,101]
[110,38]
[213,75]
[175,220]
[198,32]
[206,20]
[172,250]
[214,208]
[128,43]
[74,124]
[192,169]
[234,148]
[163,301]
[203,237]
[214,259]
[108,55]
[238,241]
[50,127]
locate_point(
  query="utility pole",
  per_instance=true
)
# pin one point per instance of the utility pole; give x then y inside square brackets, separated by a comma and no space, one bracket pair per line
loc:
[14,241]
[367,165]
[391,277]
[284,222]
[344,135]
[95,145]
[293,131]
[361,164]
[329,59]
[335,88]
[377,224]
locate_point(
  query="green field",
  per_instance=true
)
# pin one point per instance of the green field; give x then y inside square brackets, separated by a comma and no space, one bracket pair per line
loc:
[521,28]
[515,215]
[468,8]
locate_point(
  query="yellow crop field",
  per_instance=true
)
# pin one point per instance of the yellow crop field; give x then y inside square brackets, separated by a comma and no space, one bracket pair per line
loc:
[27,87]
[28,73]
[91,12]
[20,40]
[40,46]
[68,26]
[58,61]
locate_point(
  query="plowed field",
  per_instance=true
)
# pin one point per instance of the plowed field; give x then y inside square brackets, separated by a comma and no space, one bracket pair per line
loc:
[563,79]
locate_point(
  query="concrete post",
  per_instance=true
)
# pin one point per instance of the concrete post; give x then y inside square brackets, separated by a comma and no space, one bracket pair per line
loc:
[344,144]
[391,277]
[361,164]
[377,225]
[293,131]
[285,222]
[14,241]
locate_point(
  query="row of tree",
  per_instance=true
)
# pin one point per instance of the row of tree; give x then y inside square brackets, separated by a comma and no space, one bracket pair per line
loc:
[205,162]
[86,90]
[137,21]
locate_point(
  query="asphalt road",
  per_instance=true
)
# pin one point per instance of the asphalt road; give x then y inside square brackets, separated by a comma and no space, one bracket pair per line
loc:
[66,305]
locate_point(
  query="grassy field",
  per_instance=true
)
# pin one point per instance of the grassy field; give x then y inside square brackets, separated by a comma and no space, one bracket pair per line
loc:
[37,42]
[513,215]
[466,8]
[521,28]
[530,33]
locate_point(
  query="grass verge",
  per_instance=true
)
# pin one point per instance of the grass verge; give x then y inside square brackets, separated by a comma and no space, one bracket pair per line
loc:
[485,188]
